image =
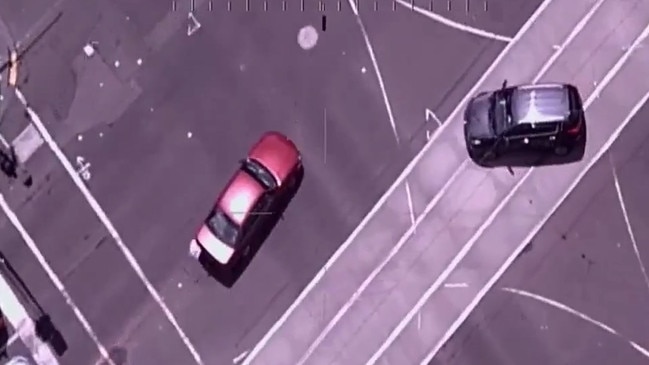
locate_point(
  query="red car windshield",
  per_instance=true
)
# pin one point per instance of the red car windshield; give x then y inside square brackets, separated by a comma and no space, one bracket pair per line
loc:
[222,227]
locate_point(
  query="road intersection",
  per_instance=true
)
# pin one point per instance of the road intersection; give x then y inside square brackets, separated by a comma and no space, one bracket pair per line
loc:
[494,213]
[414,269]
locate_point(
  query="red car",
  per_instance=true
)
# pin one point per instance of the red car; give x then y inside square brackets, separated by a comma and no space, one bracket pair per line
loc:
[253,194]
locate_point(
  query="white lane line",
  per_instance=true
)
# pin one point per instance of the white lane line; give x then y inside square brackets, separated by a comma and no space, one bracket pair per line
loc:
[370,50]
[576,313]
[13,218]
[38,123]
[379,204]
[533,232]
[402,241]
[627,221]
[410,205]
[465,250]
[453,24]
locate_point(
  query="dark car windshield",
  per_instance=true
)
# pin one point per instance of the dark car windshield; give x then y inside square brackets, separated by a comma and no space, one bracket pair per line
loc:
[500,113]
[260,173]
[222,227]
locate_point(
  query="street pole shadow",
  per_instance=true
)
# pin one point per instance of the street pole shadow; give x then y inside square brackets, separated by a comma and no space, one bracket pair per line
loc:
[47,331]
[4,337]
[228,275]
[45,328]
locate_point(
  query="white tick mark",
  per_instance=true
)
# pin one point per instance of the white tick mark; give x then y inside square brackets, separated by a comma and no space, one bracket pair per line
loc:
[418,321]
[151,109]
[189,134]
[101,84]
[180,285]
[79,137]
[116,64]
[363,70]
[101,134]
[456,285]
[128,17]
[2,97]
[240,357]
[410,206]
[556,47]
[139,61]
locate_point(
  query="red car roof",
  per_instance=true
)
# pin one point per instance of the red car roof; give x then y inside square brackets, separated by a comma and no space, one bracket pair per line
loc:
[276,153]
[240,196]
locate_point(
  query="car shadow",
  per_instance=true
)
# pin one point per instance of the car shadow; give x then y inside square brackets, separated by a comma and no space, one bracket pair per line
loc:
[228,275]
[536,158]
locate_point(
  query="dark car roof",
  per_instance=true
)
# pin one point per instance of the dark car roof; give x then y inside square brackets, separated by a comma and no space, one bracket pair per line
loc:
[240,196]
[276,153]
[540,103]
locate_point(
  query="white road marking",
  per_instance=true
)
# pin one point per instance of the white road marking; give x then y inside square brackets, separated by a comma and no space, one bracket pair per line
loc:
[455,25]
[402,241]
[406,171]
[4,142]
[27,143]
[429,114]
[370,50]
[576,313]
[194,26]
[29,325]
[240,357]
[307,37]
[456,285]
[627,221]
[465,250]
[84,168]
[38,123]
[535,230]
[89,50]
[410,205]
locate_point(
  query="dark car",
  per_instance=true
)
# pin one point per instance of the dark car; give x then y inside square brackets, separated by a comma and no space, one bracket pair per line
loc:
[253,195]
[546,117]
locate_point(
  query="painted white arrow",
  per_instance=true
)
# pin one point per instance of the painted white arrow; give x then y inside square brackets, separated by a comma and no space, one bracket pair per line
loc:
[192,28]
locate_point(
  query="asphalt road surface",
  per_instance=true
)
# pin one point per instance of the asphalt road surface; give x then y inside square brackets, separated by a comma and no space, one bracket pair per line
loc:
[582,263]
[468,223]
[163,135]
